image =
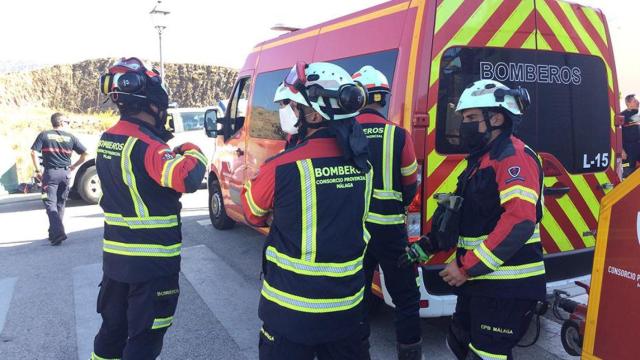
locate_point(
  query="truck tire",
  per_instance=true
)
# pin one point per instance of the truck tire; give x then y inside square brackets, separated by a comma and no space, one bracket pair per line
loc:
[89,186]
[218,215]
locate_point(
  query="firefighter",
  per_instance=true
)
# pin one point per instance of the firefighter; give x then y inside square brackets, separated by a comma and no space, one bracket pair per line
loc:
[394,186]
[498,270]
[315,196]
[142,180]
[56,146]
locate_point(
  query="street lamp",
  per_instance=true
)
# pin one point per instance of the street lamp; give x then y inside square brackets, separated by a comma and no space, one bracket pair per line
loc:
[159,18]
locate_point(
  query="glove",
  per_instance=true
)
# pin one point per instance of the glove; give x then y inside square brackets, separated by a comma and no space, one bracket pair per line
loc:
[181,149]
[415,253]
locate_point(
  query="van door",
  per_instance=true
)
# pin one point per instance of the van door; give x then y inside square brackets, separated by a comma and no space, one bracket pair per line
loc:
[232,152]
[473,24]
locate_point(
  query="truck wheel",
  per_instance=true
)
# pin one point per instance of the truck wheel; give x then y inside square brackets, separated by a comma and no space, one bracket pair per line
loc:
[570,337]
[89,186]
[219,218]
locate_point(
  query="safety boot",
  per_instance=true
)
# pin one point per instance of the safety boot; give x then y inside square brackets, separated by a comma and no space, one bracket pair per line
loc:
[410,351]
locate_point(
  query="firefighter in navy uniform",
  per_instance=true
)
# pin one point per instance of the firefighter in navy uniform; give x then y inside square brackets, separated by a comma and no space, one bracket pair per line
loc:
[56,146]
[317,194]
[142,180]
[498,270]
[394,186]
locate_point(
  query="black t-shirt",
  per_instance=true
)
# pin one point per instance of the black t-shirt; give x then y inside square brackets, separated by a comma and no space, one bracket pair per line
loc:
[56,147]
[631,128]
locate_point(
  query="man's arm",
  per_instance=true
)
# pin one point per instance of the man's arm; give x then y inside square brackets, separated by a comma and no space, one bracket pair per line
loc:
[257,196]
[81,150]
[518,197]
[35,149]
[181,170]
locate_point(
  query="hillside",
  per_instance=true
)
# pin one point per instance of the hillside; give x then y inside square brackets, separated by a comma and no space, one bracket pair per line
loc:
[74,87]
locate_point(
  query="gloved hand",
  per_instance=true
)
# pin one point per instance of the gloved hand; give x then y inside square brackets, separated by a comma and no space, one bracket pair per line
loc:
[414,253]
[181,149]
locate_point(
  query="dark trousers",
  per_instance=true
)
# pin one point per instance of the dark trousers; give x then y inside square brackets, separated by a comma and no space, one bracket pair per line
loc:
[385,247]
[55,191]
[489,327]
[135,317]
[271,346]
[633,156]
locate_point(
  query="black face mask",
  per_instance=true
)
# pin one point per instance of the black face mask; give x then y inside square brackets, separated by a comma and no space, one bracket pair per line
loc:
[471,136]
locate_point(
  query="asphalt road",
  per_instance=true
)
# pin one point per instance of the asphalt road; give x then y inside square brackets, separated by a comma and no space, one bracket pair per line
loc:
[48,294]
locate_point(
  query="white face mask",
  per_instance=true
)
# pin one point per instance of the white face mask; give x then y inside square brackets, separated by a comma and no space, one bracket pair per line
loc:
[288,120]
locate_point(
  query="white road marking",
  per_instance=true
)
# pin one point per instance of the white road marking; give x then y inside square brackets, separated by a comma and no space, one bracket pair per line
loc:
[206,222]
[85,294]
[6,293]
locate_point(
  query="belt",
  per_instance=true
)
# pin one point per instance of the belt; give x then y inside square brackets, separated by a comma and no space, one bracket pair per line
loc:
[57,168]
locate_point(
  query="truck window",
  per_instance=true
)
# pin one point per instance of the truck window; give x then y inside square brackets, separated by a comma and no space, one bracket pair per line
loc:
[384,61]
[237,109]
[569,117]
[265,120]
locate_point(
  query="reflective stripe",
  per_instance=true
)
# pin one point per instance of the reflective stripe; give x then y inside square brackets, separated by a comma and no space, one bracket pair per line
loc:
[96,357]
[309,305]
[167,170]
[130,179]
[387,195]
[385,219]
[311,268]
[127,249]
[485,355]
[387,157]
[255,209]
[149,222]
[410,169]
[367,202]
[160,323]
[487,257]
[514,272]
[471,243]
[535,238]
[309,215]
[520,192]
[198,155]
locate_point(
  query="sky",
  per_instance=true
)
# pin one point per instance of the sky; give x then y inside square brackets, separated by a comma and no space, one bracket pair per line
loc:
[213,32]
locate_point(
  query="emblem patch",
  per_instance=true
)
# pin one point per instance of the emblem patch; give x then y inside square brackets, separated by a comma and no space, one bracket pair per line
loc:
[514,172]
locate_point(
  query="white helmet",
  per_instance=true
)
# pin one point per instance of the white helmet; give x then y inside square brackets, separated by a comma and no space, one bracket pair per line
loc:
[493,94]
[374,81]
[326,87]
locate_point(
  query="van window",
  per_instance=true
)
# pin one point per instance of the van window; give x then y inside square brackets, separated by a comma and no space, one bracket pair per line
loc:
[265,120]
[569,116]
[192,120]
[384,61]
[237,109]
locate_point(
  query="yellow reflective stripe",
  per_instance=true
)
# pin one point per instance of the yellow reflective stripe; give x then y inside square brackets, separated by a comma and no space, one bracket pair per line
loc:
[515,20]
[167,170]
[387,157]
[253,207]
[367,202]
[309,213]
[387,195]
[149,222]
[444,12]
[520,192]
[160,323]
[130,179]
[471,243]
[303,267]
[486,355]
[309,305]
[597,23]
[514,272]
[487,257]
[535,238]
[409,169]
[556,27]
[385,219]
[154,250]
[96,357]
[198,155]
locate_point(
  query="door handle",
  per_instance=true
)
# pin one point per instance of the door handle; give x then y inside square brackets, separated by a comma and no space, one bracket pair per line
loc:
[239,152]
[556,191]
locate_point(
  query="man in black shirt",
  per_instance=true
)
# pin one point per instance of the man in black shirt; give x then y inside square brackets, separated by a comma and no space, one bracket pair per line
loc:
[631,132]
[56,147]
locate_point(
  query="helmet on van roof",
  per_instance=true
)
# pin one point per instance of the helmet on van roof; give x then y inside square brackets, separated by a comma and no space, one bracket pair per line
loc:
[493,94]
[325,87]
[374,81]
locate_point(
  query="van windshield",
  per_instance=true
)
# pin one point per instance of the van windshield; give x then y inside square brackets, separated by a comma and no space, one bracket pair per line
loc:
[569,117]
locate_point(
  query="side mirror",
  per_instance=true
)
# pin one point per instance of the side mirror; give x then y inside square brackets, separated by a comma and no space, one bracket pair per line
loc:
[171,125]
[211,123]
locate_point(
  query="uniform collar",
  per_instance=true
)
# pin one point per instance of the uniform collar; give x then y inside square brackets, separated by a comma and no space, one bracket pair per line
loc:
[370,111]
[166,136]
